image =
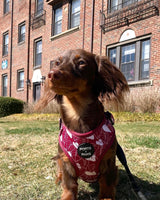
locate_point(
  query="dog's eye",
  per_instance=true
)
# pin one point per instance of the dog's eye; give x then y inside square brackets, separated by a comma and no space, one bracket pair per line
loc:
[81,62]
[57,63]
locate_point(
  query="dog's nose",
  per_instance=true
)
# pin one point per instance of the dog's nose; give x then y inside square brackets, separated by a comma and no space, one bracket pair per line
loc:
[54,74]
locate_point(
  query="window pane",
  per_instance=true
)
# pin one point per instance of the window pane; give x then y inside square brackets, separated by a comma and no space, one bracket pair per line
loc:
[39,47]
[38,53]
[112,55]
[21,79]
[128,2]
[75,6]
[22,29]
[58,14]
[5,44]
[75,20]
[38,59]
[75,13]
[22,33]
[39,6]
[5,83]
[6,39]
[58,21]
[145,58]
[6,6]
[114,5]
[58,28]
[128,61]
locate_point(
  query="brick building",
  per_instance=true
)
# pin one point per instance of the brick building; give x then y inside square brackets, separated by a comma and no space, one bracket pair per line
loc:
[35,32]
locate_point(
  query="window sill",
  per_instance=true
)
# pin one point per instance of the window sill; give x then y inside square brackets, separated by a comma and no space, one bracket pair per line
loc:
[37,67]
[65,33]
[7,13]
[20,43]
[140,83]
[4,56]
[20,89]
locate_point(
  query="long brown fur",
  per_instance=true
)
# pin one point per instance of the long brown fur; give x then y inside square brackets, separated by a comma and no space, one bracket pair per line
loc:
[77,81]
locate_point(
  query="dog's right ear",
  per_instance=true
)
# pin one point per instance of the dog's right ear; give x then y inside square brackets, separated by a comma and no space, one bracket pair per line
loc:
[111,83]
[48,96]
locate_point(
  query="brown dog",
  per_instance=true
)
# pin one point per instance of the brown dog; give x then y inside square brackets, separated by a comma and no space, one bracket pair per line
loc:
[77,80]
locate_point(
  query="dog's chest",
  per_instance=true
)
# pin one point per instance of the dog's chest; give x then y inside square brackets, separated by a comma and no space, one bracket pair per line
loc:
[85,151]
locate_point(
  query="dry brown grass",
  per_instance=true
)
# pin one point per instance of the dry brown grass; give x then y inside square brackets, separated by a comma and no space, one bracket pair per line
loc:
[52,107]
[141,100]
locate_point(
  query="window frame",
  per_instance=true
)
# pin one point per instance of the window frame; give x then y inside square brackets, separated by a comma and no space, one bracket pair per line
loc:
[58,6]
[35,54]
[21,38]
[5,46]
[6,6]
[4,89]
[138,52]
[19,87]
[71,15]
[140,68]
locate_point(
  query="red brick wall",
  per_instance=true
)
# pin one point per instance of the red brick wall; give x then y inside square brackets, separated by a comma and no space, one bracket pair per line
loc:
[141,28]
[51,48]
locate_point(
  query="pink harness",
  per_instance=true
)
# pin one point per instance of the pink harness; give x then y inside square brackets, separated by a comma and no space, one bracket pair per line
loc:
[86,150]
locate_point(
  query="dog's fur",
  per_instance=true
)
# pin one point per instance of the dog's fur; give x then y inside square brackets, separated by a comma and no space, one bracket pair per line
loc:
[77,81]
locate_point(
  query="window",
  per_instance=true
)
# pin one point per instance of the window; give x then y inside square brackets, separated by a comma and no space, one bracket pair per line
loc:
[133,59]
[74,13]
[38,53]
[114,5]
[20,79]
[4,85]
[57,24]
[128,61]
[5,43]
[6,6]
[21,32]
[39,7]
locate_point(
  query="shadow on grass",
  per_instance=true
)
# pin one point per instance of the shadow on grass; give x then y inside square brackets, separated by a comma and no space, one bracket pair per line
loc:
[124,190]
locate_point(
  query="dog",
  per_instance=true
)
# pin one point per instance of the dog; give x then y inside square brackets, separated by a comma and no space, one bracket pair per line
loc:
[79,81]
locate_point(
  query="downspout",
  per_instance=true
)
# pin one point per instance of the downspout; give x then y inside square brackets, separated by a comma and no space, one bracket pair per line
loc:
[28,53]
[92,27]
[11,51]
[84,20]
[101,31]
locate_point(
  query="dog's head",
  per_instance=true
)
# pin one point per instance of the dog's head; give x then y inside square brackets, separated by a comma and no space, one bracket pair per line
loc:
[78,72]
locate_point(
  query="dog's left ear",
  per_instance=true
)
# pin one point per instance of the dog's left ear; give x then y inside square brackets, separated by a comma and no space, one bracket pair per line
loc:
[110,81]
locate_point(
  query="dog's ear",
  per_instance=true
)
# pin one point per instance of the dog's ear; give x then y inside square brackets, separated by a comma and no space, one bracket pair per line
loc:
[111,83]
[48,96]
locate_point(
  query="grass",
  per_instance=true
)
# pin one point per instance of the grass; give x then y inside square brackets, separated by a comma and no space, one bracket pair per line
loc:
[28,143]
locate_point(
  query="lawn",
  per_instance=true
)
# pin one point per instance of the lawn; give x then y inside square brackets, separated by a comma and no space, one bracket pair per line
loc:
[28,143]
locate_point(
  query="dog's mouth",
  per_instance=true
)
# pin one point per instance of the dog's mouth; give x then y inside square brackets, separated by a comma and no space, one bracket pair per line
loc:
[62,90]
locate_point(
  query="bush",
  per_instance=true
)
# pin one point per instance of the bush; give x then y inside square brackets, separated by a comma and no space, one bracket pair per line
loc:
[10,106]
